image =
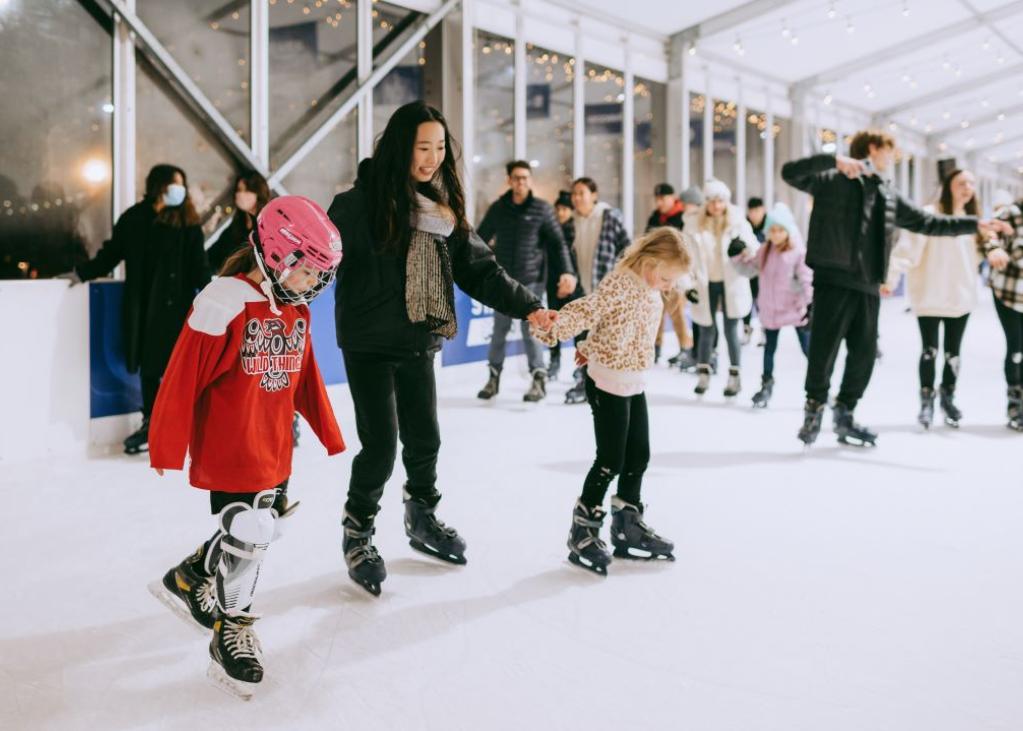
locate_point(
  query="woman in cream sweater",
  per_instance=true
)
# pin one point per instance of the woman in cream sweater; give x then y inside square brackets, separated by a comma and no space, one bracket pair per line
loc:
[942,283]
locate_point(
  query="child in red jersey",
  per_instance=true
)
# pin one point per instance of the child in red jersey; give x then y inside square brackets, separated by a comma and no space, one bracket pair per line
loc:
[242,365]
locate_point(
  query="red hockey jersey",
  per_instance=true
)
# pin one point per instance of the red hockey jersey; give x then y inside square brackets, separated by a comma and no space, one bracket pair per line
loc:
[238,373]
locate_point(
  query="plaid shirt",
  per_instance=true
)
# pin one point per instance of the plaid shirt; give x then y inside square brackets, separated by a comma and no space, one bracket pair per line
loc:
[1008,283]
[612,242]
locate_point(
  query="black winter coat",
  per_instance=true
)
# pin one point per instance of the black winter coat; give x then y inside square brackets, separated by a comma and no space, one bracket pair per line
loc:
[674,221]
[527,238]
[841,216]
[369,299]
[164,269]
[232,238]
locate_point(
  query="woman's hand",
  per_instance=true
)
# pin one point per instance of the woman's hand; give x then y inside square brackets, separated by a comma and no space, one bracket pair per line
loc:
[992,226]
[566,285]
[886,291]
[542,319]
[849,167]
[580,359]
[998,259]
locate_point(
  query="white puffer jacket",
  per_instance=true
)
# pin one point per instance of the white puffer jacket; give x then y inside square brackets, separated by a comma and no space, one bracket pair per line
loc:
[701,246]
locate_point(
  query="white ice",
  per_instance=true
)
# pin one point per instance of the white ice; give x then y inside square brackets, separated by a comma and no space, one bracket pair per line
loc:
[832,590]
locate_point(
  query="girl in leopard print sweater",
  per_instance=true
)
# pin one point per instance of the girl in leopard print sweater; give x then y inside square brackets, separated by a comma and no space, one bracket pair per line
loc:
[621,316]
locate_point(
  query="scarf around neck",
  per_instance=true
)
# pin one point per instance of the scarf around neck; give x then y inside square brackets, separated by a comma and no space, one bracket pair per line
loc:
[429,283]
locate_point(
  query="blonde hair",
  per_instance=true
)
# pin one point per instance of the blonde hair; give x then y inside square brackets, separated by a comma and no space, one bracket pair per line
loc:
[661,245]
[716,224]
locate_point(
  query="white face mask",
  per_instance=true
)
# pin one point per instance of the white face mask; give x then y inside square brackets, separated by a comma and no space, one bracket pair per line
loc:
[245,201]
[174,195]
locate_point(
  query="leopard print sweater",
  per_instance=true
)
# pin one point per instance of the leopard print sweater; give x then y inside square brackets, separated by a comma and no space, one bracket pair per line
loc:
[622,318]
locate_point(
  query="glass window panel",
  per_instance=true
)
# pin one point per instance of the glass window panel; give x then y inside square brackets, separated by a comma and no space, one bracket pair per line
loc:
[724,144]
[549,124]
[756,136]
[392,24]
[651,153]
[495,118]
[406,82]
[605,101]
[697,103]
[782,154]
[56,127]
[210,39]
[331,167]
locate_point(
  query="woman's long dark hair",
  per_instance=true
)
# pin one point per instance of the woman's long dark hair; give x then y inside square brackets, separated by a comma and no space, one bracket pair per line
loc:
[391,187]
[159,177]
[945,205]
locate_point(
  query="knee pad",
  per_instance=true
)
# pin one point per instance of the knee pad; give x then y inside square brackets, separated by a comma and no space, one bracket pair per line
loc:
[245,534]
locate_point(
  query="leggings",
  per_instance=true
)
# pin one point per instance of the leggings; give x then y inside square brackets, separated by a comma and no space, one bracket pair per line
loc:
[708,334]
[1012,324]
[622,429]
[954,329]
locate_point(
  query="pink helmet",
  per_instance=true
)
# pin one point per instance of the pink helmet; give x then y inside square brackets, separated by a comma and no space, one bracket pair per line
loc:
[293,231]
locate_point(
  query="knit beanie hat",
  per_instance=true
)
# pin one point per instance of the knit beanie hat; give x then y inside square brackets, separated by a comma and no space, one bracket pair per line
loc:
[691,196]
[782,216]
[716,189]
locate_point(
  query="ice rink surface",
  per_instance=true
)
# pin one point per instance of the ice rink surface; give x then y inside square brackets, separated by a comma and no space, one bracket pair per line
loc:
[829,590]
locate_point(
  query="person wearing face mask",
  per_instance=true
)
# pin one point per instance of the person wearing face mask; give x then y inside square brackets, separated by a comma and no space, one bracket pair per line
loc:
[251,194]
[852,230]
[160,241]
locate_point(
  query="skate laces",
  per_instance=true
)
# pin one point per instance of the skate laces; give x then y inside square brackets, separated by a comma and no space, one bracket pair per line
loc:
[207,595]
[241,640]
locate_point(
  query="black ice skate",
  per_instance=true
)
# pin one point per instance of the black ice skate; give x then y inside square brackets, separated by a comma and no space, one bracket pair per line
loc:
[926,415]
[763,397]
[848,431]
[948,407]
[492,386]
[538,388]
[813,416]
[586,549]
[430,536]
[1014,409]
[734,384]
[577,394]
[365,566]
[138,441]
[634,539]
[189,592]
[702,380]
[236,657]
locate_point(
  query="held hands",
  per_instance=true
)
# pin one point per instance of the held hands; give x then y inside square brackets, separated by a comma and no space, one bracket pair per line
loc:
[886,291]
[566,285]
[989,227]
[998,259]
[543,320]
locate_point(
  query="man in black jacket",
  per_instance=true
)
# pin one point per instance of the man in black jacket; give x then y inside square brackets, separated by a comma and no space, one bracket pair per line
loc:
[527,240]
[852,228]
[668,211]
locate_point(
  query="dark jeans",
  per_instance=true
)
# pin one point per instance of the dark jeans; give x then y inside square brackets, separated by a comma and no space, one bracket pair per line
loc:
[708,335]
[394,397]
[622,429]
[1012,325]
[498,339]
[955,327]
[771,347]
[841,314]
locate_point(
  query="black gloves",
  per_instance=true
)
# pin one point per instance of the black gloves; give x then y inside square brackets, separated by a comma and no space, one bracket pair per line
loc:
[736,247]
[693,296]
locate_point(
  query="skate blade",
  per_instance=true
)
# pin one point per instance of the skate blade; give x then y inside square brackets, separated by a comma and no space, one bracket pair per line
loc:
[858,443]
[136,450]
[373,587]
[641,555]
[452,558]
[158,590]
[582,563]
[951,423]
[231,686]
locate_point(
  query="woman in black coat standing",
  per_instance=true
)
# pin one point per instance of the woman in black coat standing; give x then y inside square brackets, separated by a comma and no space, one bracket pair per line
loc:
[407,243]
[161,244]
[251,194]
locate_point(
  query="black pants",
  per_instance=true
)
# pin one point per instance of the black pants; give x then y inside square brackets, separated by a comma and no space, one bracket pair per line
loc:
[955,327]
[1012,325]
[394,397]
[150,387]
[841,314]
[771,347]
[622,429]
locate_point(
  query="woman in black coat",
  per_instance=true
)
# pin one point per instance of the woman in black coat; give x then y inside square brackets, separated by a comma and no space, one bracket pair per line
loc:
[407,243]
[161,244]
[251,194]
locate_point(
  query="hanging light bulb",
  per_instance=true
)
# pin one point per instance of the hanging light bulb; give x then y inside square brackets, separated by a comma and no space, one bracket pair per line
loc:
[831,11]
[738,46]
[692,48]
[827,98]
[905,8]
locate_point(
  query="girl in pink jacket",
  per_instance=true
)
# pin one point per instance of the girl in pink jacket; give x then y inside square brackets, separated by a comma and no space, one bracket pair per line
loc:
[785,290]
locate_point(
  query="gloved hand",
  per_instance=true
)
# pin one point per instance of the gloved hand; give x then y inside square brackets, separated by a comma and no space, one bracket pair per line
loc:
[70,277]
[736,247]
[693,296]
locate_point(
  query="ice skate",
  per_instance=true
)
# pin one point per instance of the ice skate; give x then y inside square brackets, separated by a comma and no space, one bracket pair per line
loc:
[848,431]
[430,536]
[138,441]
[686,361]
[702,380]
[948,407]
[926,415]
[492,386]
[1014,410]
[813,416]
[586,550]
[763,397]
[734,385]
[537,389]
[577,394]
[236,657]
[365,565]
[634,539]
[189,592]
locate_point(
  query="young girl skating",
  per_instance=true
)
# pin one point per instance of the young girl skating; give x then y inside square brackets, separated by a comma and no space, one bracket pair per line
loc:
[241,367]
[622,316]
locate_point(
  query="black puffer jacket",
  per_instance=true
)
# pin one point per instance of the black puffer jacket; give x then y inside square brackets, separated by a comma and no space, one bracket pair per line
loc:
[841,216]
[528,238]
[369,301]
